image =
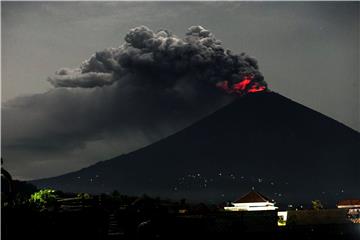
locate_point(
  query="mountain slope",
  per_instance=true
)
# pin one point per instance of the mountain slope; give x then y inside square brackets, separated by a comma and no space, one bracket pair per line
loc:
[283,149]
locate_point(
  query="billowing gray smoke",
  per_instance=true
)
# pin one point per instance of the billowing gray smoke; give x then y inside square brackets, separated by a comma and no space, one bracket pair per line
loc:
[122,98]
[165,60]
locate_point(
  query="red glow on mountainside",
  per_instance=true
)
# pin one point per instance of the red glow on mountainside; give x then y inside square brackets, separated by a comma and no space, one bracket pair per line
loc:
[242,87]
[256,87]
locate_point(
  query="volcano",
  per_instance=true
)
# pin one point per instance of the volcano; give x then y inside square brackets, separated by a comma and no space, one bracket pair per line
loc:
[262,141]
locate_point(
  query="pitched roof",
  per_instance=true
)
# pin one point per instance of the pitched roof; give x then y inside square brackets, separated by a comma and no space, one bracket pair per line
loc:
[348,202]
[252,196]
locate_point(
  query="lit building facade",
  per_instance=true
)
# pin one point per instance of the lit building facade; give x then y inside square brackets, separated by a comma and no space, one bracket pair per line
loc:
[253,201]
[355,203]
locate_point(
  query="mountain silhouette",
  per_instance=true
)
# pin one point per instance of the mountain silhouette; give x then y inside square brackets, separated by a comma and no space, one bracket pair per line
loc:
[263,141]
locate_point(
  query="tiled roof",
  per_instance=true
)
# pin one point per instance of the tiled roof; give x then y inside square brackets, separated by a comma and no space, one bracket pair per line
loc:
[349,202]
[252,197]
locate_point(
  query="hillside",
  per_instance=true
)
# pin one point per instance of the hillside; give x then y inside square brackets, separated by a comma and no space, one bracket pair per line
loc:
[264,140]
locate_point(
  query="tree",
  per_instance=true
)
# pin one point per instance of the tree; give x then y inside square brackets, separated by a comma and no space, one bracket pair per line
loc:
[83,196]
[317,205]
[43,198]
[115,194]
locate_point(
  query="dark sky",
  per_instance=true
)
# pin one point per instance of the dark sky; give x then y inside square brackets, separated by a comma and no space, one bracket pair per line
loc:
[308,52]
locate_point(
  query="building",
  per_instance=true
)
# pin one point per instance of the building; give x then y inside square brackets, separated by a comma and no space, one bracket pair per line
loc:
[252,201]
[348,203]
[353,209]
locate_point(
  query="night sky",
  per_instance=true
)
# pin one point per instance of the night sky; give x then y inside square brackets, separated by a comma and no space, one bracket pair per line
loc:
[308,52]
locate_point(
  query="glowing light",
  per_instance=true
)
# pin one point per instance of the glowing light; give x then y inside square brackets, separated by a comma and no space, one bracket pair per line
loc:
[246,85]
[241,85]
[282,218]
[256,87]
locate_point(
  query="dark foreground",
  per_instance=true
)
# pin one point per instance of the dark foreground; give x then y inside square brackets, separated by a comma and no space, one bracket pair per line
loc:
[144,219]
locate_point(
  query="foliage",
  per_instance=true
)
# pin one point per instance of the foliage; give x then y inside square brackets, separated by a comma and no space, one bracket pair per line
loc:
[43,198]
[83,196]
[24,188]
[317,205]
[115,194]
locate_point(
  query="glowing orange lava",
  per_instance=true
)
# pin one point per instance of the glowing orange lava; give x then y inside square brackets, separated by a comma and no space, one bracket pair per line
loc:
[242,87]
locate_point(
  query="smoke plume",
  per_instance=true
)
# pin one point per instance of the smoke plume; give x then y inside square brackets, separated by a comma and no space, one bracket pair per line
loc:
[151,86]
[165,61]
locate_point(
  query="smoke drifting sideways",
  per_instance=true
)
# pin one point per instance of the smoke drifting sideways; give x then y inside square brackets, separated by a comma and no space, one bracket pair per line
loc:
[151,86]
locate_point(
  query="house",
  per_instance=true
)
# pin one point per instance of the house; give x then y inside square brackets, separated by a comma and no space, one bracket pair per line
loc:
[252,201]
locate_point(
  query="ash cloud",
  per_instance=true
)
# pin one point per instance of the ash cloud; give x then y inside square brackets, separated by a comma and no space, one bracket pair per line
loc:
[166,58]
[151,86]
